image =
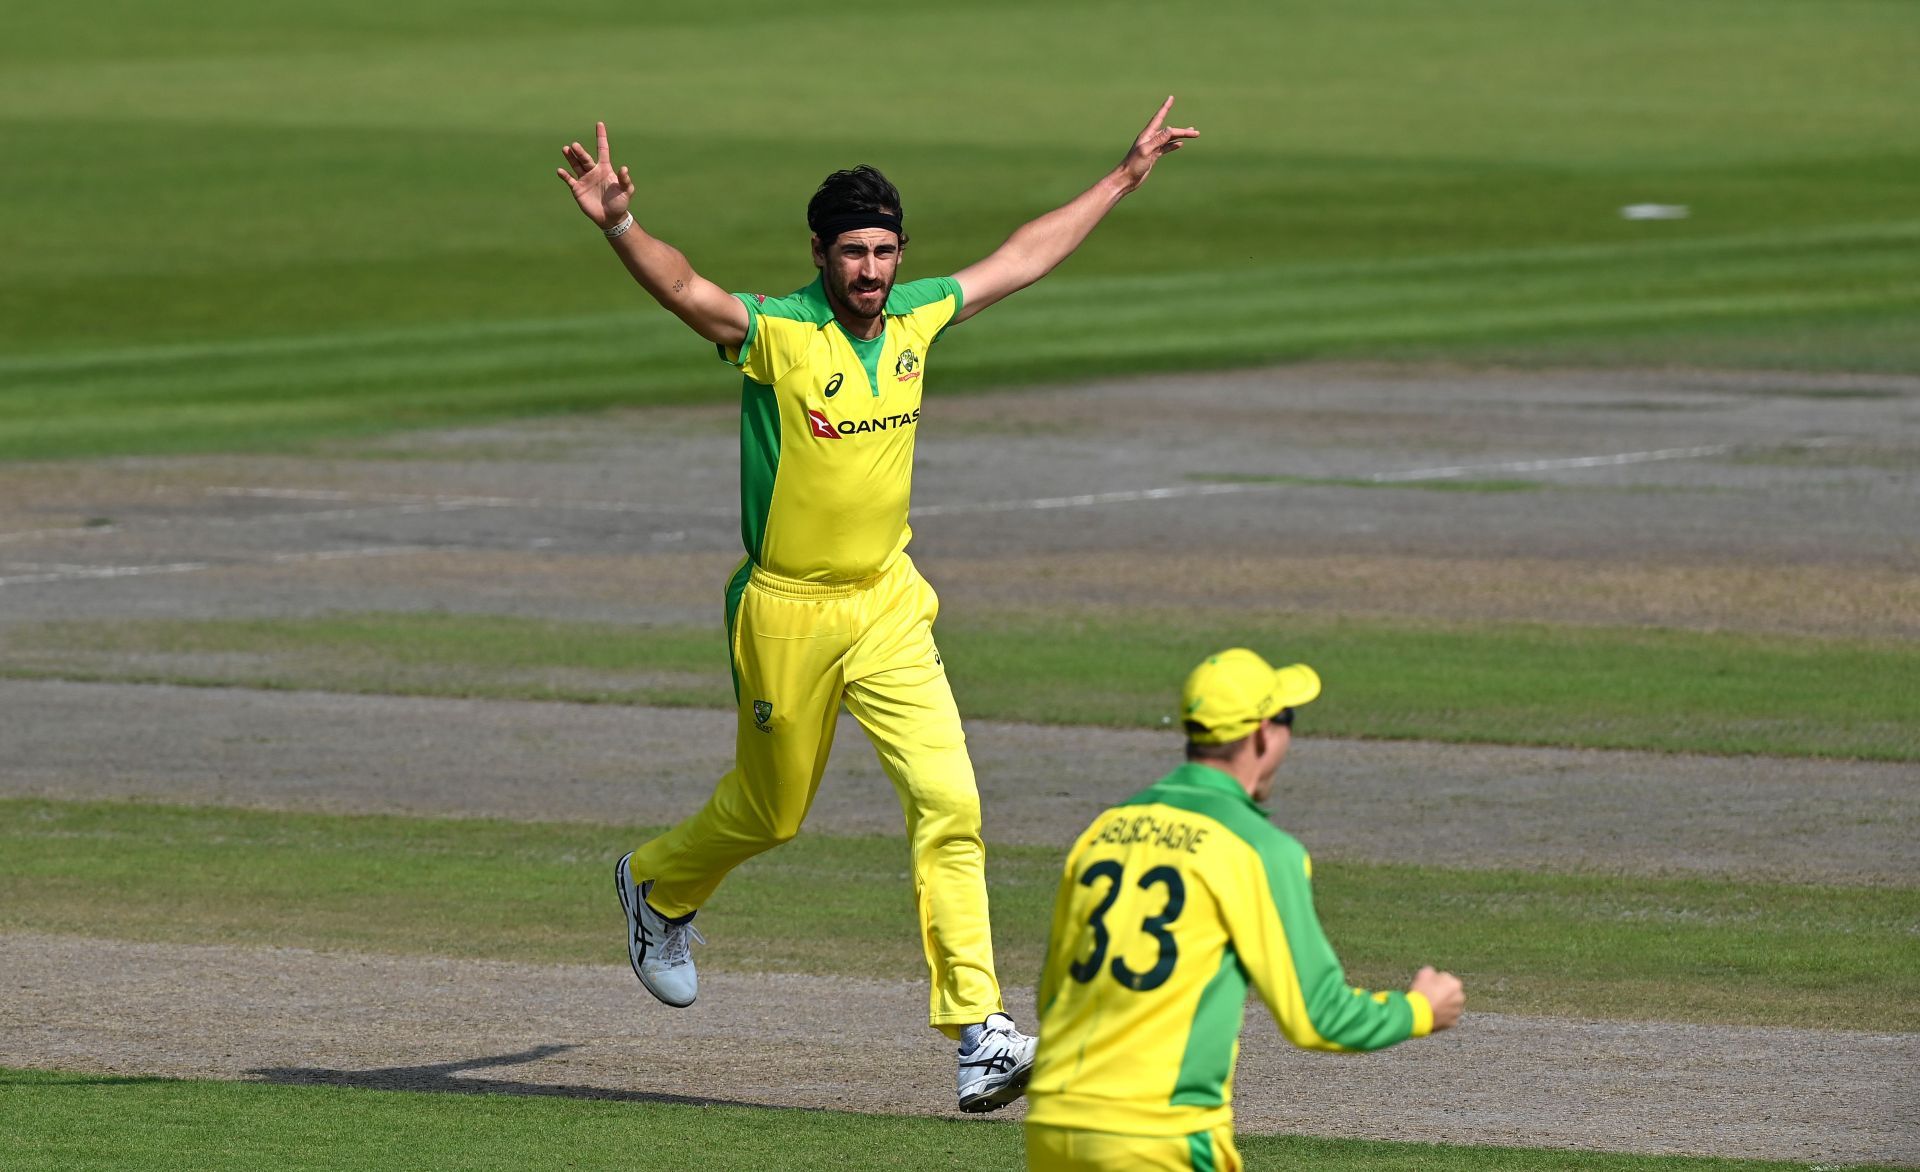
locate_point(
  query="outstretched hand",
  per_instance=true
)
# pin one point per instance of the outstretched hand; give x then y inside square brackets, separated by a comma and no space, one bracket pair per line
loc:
[602,192]
[1157,140]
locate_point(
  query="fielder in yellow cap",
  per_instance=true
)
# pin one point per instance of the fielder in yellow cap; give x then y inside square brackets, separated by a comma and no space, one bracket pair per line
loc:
[1170,905]
[1232,693]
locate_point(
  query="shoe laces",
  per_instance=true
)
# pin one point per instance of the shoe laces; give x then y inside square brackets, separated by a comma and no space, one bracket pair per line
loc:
[997,1030]
[676,943]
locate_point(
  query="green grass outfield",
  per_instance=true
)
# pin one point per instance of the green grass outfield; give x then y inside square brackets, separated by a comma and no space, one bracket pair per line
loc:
[257,225]
[246,227]
[1569,945]
[1505,683]
[96,1123]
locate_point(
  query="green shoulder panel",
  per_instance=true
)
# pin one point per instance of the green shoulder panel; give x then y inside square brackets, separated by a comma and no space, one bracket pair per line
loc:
[926,291]
[807,303]
[1202,789]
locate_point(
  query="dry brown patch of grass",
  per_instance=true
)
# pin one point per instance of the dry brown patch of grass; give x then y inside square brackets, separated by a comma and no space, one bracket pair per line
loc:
[1844,600]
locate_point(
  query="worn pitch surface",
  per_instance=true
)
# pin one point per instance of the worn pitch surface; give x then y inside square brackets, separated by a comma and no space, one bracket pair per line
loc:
[289,1015]
[1767,503]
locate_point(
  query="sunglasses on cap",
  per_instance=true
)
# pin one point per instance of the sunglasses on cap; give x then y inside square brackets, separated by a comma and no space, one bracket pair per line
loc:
[1283,718]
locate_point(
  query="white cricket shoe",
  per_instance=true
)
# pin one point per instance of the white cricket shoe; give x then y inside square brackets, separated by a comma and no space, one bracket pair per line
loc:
[994,1073]
[659,949]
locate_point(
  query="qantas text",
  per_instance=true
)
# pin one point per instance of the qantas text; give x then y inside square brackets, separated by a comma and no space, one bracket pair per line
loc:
[883,423]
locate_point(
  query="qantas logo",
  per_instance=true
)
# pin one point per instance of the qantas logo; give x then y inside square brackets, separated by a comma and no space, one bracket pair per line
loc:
[824,428]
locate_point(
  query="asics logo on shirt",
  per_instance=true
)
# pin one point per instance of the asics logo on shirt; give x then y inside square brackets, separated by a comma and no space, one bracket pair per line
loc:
[833,384]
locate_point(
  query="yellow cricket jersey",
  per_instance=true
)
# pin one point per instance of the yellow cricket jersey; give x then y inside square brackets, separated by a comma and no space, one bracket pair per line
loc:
[1169,906]
[827,425]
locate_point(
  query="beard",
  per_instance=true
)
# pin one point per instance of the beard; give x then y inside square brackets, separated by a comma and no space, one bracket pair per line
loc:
[860,299]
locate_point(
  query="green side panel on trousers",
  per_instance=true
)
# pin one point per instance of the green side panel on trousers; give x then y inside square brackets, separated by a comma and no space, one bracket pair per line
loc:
[1200,1150]
[736,586]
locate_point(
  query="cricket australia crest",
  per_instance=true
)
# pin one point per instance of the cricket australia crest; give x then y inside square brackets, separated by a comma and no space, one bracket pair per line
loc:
[907,367]
[762,713]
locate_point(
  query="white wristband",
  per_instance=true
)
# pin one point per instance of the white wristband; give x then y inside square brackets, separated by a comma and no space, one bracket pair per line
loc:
[620,229]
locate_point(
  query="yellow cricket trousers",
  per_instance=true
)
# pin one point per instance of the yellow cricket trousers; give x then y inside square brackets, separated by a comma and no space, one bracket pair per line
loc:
[801,650]
[1069,1149]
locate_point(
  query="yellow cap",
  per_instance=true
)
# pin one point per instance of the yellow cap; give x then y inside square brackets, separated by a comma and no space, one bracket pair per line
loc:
[1229,694]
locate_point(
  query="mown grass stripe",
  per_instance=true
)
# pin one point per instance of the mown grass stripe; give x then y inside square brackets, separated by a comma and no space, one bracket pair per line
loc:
[1766,251]
[83,1122]
[1572,945]
[1502,683]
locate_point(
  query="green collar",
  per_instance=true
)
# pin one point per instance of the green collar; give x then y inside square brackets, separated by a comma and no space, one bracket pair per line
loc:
[814,293]
[1195,775]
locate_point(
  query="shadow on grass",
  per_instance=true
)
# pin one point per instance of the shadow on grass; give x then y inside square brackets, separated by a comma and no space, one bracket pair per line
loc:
[441,1078]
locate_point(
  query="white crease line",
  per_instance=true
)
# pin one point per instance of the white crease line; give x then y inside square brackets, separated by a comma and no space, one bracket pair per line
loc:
[69,531]
[90,573]
[1092,498]
[405,504]
[1553,465]
[464,502]
[371,551]
[328,514]
[302,494]
[1193,490]
[380,505]
[234,522]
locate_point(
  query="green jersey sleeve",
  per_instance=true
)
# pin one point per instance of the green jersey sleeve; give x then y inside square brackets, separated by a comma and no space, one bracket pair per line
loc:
[1288,958]
[739,355]
[777,330]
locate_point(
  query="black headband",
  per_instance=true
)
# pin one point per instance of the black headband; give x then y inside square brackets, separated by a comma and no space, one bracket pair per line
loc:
[830,228]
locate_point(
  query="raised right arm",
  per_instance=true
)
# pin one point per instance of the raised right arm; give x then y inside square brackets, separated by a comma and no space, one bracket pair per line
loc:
[604,194]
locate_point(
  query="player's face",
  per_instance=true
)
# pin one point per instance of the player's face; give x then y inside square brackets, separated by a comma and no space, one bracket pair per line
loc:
[858,269]
[1271,750]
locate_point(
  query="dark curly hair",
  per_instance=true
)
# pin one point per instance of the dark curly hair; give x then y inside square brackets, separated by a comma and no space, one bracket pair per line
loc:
[863,189]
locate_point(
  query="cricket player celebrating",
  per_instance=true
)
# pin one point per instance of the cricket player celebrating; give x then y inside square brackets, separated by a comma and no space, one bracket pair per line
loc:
[827,609]
[1170,904]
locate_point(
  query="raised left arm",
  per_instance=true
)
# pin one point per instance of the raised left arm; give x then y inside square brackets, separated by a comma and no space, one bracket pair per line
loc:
[1038,245]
